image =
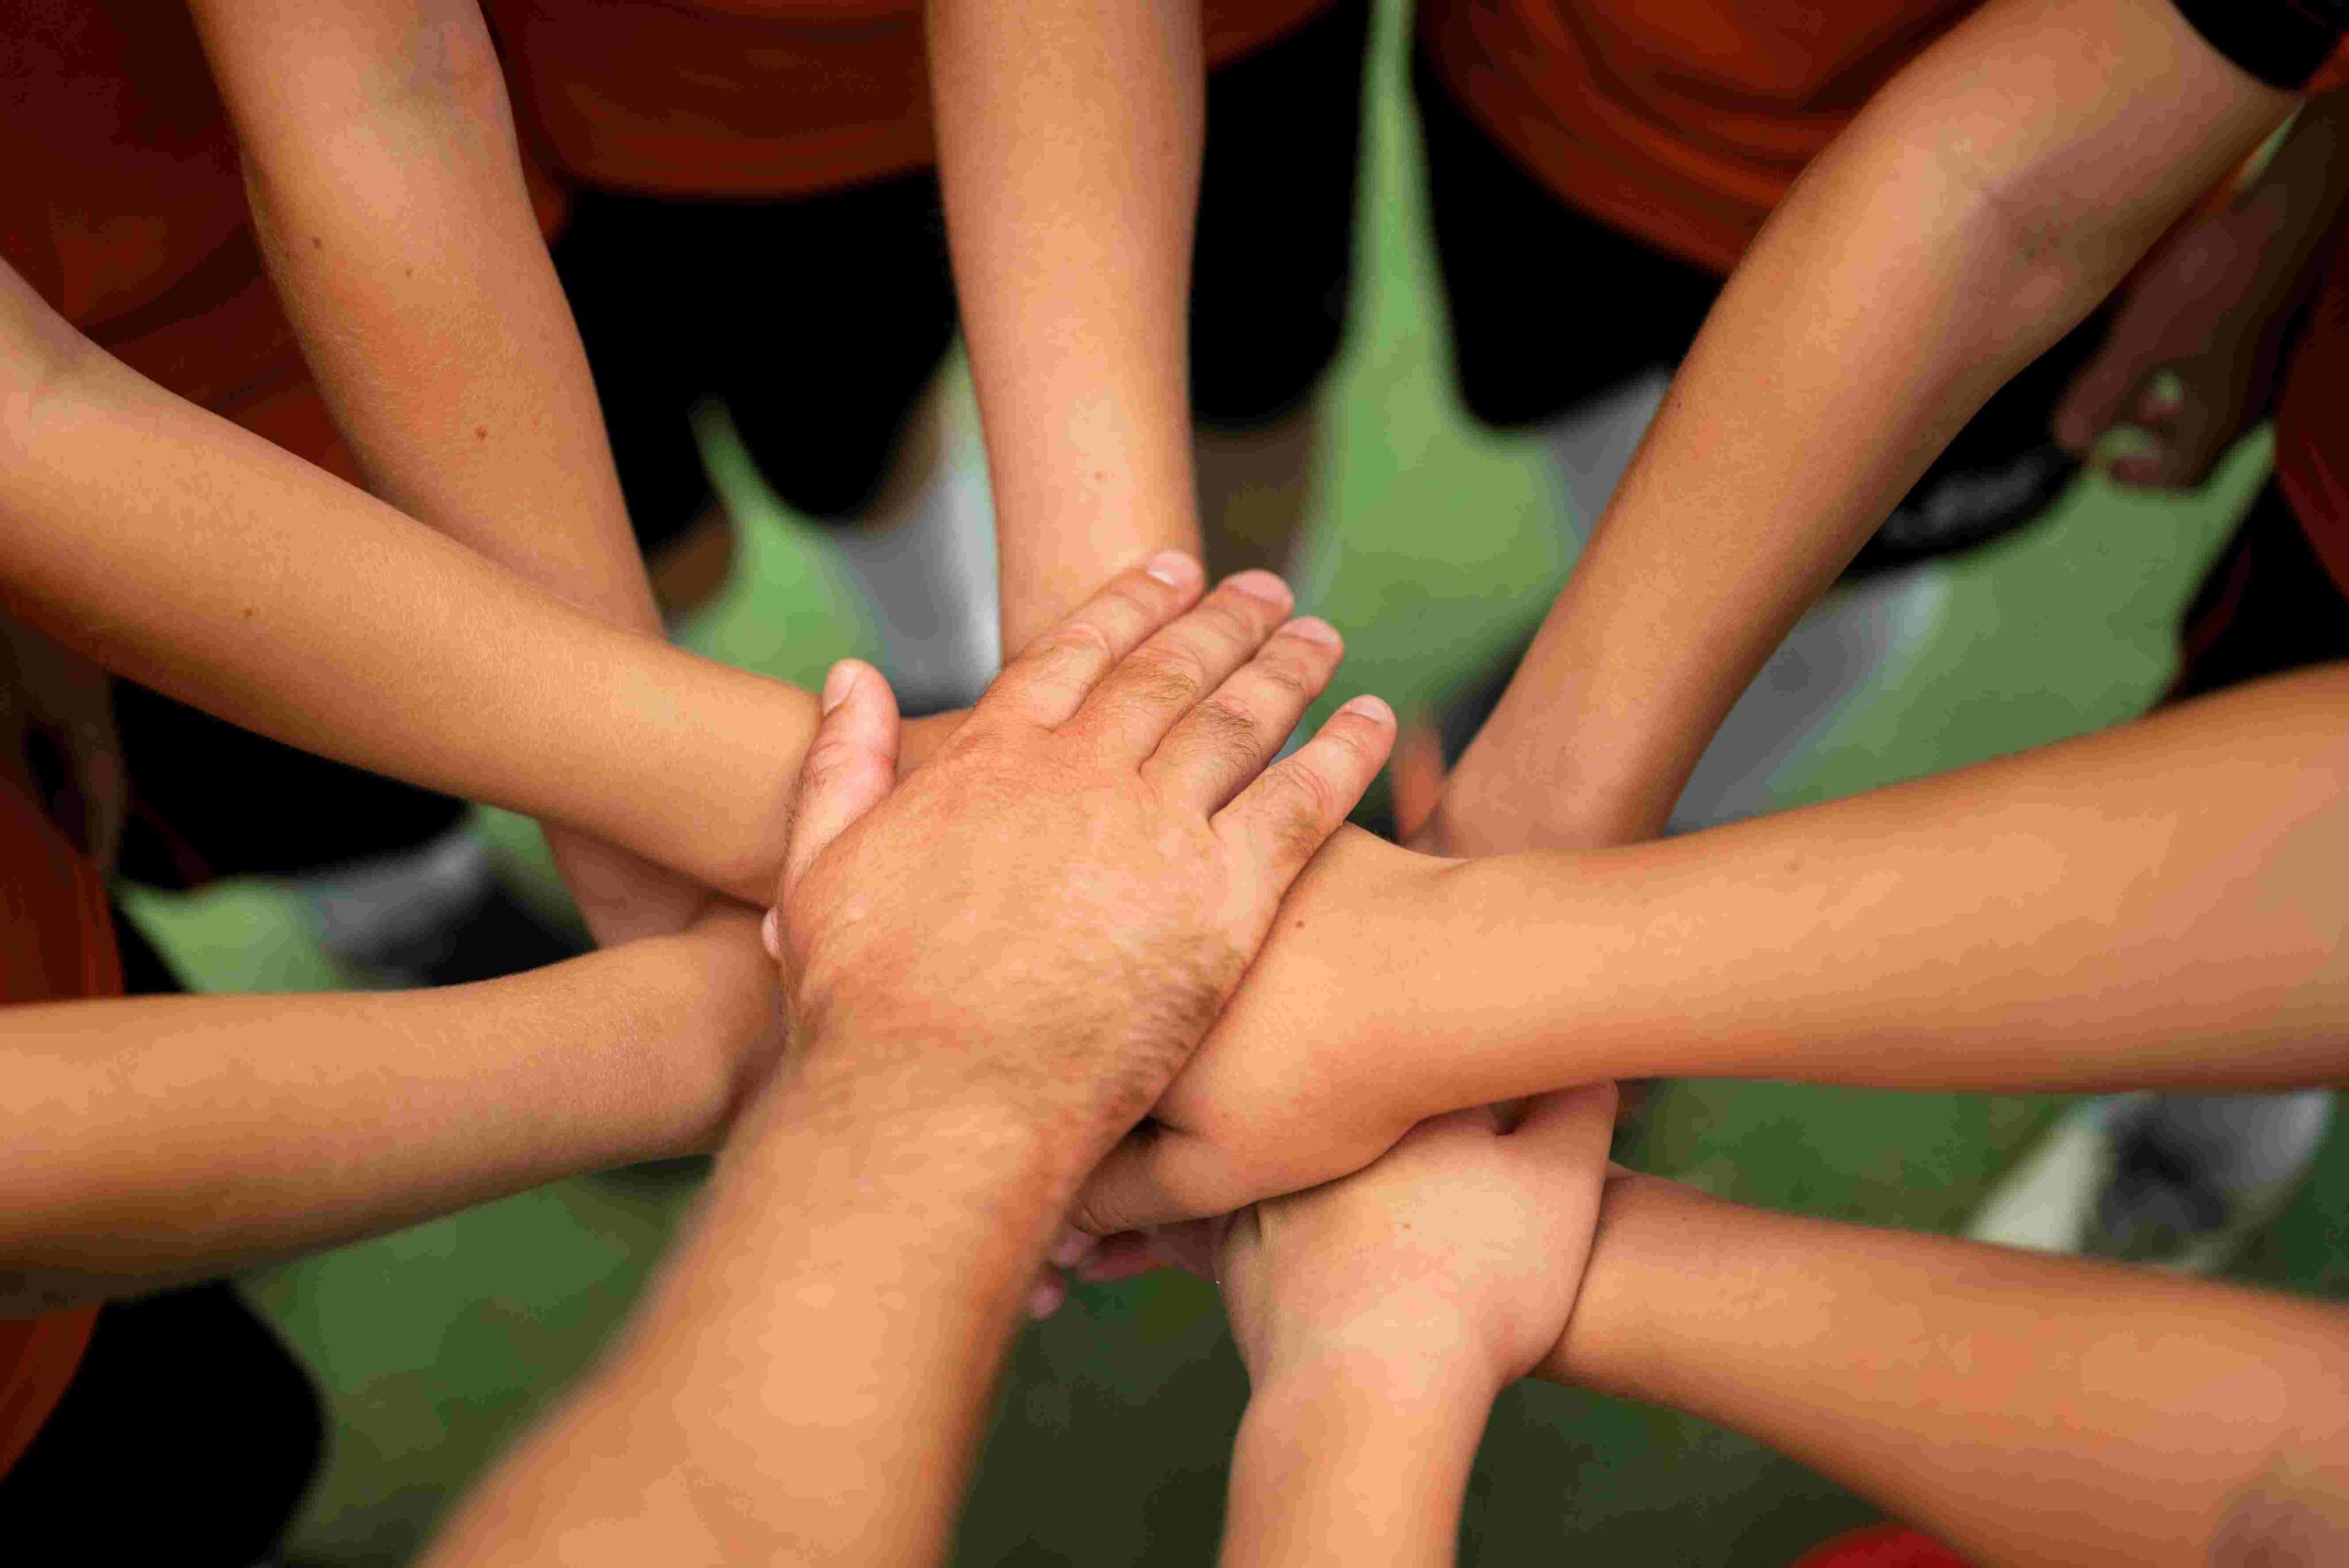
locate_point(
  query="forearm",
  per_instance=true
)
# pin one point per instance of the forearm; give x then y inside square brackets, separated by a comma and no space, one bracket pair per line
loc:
[441,339]
[2026,1409]
[1355,1463]
[193,556]
[162,1139]
[809,1380]
[2154,904]
[1069,146]
[1987,199]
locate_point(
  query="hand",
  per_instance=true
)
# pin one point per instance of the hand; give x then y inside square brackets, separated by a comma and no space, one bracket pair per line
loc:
[1464,1244]
[1295,1085]
[622,895]
[1049,912]
[2192,355]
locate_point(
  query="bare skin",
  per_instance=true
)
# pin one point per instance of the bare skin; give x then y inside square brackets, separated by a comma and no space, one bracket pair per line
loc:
[215,1133]
[2196,346]
[2026,1409]
[801,1385]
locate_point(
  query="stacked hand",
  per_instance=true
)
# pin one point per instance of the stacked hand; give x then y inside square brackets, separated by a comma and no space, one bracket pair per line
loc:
[1108,798]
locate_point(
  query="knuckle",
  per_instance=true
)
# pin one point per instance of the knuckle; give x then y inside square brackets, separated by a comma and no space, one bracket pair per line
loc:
[1077,639]
[1224,724]
[1288,674]
[1168,675]
[1231,615]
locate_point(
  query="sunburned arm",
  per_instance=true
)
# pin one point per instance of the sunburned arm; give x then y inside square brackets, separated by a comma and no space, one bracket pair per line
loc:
[1977,209]
[2027,1410]
[2154,905]
[157,1140]
[185,552]
[1069,144]
[385,185]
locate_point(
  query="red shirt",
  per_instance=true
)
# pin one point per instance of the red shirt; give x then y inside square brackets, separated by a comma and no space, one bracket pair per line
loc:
[1681,122]
[56,944]
[2312,422]
[751,98]
[124,208]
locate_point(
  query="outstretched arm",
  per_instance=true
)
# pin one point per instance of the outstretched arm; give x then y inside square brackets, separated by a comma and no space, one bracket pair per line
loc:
[387,190]
[1069,139]
[178,549]
[163,1138]
[809,1380]
[2027,1410]
[2157,905]
[1978,208]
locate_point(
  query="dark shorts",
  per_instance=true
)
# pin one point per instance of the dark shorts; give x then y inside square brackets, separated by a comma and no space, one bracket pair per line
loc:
[820,321]
[2266,606]
[1549,308]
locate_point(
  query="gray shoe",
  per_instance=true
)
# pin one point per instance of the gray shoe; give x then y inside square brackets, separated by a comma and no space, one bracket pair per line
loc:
[2177,1182]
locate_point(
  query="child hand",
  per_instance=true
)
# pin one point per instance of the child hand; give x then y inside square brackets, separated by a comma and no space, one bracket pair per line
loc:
[1454,1257]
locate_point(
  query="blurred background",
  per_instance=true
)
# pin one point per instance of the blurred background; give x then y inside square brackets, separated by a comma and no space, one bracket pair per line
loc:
[1435,549]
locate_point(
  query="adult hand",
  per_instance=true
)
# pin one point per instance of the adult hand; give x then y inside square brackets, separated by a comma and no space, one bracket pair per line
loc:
[1044,920]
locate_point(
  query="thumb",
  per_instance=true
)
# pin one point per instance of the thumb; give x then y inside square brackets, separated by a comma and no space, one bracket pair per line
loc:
[850,766]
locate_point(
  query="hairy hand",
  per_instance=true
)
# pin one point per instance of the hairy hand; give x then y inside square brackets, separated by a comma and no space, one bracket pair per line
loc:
[1047,916]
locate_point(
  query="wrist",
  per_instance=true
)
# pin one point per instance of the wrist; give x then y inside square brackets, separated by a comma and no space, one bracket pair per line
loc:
[1329,1467]
[898,1101]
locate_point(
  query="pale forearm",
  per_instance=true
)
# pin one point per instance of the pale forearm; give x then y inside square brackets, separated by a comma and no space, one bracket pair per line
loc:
[387,192]
[2026,1409]
[2153,904]
[210,1133]
[193,556]
[809,1380]
[1977,209]
[1069,145]
[1338,1464]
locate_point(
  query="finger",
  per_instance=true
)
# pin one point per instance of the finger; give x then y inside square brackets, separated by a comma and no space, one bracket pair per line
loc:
[2160,401]
[850,766]
[1417,772]
[1158,1176]
[1287,813]
[1571,1124]
[2092,403]
[1133,1254]
[1046,1294]
[1049,680]
[1137,703]
[2181,457]
[1225,741]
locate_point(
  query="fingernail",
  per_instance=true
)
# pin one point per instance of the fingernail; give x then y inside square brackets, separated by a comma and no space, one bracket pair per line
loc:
[1044,1299]
[1371,707]
[1261,584]
[1313,629]
[837,684]
[771,934]
[1071,1249]
[1172,568]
